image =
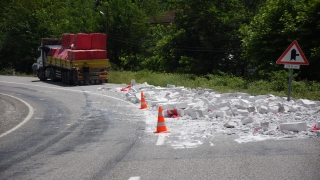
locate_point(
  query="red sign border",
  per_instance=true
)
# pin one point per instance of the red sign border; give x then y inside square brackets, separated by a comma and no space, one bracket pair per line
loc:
[306,62]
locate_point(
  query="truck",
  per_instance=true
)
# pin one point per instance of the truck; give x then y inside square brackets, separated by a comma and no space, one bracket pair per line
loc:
[59,56]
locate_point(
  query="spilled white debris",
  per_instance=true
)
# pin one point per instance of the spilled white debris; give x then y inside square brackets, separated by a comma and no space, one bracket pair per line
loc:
[196,115]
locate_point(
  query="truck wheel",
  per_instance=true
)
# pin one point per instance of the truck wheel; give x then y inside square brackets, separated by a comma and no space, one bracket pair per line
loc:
[63,78]
[68,78]
[42,78]
[51,75]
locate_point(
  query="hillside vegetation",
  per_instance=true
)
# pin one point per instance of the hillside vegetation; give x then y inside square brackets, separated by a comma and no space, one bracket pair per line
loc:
[240,39]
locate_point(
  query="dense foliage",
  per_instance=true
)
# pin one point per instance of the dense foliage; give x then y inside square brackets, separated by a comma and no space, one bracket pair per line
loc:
[235,37]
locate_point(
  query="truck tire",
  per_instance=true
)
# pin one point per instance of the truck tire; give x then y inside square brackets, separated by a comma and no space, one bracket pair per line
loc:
[52,75]
[63,77]
[68,78]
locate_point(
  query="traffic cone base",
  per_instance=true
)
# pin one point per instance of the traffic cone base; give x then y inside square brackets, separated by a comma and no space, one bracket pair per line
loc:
[143,102]
[161,125]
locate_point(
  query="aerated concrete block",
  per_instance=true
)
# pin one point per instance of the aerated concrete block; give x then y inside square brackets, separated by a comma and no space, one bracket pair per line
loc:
[202,112]
[223,104]
[306,103]
[221,114]
[243,112]
[180,112]
[187,111]
[283,109]
[182,105]
[273,109]
[247,120]
[263,109]
[212,114]
[194,115]
[170,86]
[300,126]
[212,107]
[294,108]
[251,108]
[199,104]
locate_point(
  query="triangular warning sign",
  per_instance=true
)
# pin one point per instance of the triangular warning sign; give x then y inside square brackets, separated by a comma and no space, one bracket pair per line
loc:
[293,55]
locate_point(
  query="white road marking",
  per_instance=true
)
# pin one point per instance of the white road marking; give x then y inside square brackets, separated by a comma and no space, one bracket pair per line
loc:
[160,140]
[135,178]
[30,114]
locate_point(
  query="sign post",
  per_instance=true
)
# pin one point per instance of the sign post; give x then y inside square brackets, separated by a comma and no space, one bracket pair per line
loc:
[292,58]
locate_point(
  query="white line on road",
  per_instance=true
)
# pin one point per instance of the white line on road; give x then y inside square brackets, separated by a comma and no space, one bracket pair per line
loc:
[134,178]
[160,140]
[30,114]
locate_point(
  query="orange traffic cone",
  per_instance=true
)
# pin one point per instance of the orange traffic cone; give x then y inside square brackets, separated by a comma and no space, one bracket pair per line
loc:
[143,102]
[161,126]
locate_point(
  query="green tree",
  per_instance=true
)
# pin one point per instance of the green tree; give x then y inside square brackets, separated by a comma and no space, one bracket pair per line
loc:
[206,39]
[127,26]
[272,30]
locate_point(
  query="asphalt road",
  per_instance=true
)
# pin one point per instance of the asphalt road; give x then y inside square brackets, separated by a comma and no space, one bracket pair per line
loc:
[74,133]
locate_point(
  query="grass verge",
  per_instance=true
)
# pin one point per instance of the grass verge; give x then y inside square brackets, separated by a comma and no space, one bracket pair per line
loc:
[223,84]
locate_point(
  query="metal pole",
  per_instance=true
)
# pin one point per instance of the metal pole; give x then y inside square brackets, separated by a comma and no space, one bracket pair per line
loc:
[290,82]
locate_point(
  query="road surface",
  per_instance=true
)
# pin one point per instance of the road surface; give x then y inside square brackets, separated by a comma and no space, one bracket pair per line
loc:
[79,133]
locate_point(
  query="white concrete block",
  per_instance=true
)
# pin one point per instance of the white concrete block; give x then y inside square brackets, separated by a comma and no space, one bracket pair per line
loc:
[194,115]
[300,126]
[306,103]
[149,94]
[283,109]
[188,111]
[265,124]
[294,108]
[273,109]
[191,105]
[243,112]
[164,93]
[251,108]
[132,89]
[134,100]
[225,108]
[212,107]
[318,124]
[221,114]
[247,120]
[170,86]
[275,103]
[182,105]
[205,100]
[263,109]
[171,105]
[202,112]
[199,104]
[181,112]
[242,95]
[156,103]
[212,114]
[223,104]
